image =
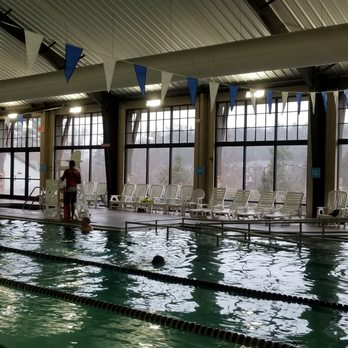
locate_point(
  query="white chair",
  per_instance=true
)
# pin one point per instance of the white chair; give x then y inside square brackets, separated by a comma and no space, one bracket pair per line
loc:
[195,201]
[216,202]
[161,203]
[179,203]
[119,201]
[264,206]
[335,208]
[240,202]
[155,193]
[52,199]
[140,193]
[291,207]
[81,206]
[98,195]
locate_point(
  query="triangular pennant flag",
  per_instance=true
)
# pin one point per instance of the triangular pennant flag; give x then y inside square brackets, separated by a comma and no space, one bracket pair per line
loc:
[192,84]
[109,68]
[166,79]
[213,89]
[32,45]
[253,98]
[335,95]
[312,94]
[346,95]
[269,96]
[284,99]
[324,95]
[233,96]
[140,71]
[72,56]
[20,119]
[299,100]
[41,129]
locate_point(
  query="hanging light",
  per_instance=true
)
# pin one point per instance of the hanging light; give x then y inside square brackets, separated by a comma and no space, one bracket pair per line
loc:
[258,94]
[75,109]
[12,116]
[153,102]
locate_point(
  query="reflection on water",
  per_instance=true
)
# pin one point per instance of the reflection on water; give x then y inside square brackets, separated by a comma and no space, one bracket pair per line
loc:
[319,271]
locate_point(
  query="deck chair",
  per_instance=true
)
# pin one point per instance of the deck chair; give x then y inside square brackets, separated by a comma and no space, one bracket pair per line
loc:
[239,203]
[291,207]
[119,201]
[335,207]
[216,202]
[81,206]
[139,193]
[178,204]
[98,195]
[264,206]
[155,192]
[52,199]
[195,201]
[169,197]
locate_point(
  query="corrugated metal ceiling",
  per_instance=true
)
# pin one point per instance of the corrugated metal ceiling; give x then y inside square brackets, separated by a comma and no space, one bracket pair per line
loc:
[127,29]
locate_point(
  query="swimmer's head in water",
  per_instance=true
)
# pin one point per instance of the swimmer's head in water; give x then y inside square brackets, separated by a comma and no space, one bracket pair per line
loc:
[158,261]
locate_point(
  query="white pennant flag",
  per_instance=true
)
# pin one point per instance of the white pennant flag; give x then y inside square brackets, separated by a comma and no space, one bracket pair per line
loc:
[312,94]
[166,79]
[335,95]
[32,43]
[109,68]
[284,99]
[213,89]
[253,98]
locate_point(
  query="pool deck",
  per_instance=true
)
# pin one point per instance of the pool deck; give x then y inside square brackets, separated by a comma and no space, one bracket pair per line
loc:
[118,221]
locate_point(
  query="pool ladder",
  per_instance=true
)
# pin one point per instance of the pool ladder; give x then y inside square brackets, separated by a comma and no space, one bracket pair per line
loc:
[35,197]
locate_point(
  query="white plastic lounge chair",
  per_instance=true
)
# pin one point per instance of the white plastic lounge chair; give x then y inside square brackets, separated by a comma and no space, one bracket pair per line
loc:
[196,201]
[118,201]
[264,206]
[52,199]
[139,193]
[216,202]
[178,204]
[98,195]
[291,207]
[169,196]
[154,194]
[240,202]
[335,207]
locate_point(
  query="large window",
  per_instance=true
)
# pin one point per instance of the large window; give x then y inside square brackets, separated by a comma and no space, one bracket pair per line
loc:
[82,132]
[160,145]
[260,151]
[19,157]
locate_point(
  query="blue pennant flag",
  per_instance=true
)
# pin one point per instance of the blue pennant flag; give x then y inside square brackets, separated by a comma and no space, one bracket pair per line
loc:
[20,119]
[140,71]
[299,100]
[72,56]
[324,95]
[233,96]
[192,84]
[269,96]
[346,95]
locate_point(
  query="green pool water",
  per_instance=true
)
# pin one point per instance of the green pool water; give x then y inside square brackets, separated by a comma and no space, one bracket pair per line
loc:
[318,271]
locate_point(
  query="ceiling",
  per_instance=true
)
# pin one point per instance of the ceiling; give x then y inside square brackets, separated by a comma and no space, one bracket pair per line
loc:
[129,29]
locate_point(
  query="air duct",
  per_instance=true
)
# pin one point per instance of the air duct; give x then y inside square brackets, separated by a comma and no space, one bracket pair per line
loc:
[313,47]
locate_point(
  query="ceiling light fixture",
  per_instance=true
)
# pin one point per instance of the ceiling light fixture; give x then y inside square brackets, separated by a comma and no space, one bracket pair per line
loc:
[258,94]
[153,102]
[75,109]
[12,116]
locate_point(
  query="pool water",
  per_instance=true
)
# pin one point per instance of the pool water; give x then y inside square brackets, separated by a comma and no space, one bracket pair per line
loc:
[318,271]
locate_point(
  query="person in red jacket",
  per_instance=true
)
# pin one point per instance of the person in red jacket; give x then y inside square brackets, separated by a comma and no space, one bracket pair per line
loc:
[73,178]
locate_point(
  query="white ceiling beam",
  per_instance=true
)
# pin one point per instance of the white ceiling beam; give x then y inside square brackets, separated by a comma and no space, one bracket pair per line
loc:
[313,47]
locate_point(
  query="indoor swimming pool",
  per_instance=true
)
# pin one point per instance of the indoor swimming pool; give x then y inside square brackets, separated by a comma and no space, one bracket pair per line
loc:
[30,319]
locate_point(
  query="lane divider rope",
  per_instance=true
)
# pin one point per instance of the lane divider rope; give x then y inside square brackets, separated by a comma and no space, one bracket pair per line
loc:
[159,319]
[258,294]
